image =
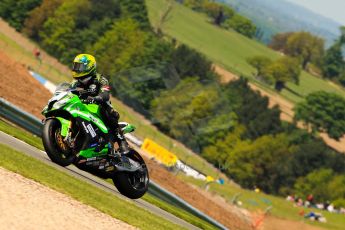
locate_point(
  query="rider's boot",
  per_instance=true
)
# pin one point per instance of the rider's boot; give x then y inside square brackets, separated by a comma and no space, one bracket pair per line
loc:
[122,161]
[123,145]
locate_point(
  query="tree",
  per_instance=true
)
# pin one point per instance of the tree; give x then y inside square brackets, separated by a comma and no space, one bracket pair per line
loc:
[64,27]
[252,110]
[15,12]
[342,35]
[322,111]
[59,32]
[260,63]
[333,63]
[306,47]
[279,41]
[193,4]
[312,154]
[258,162]
[342,79]
[188,62]
[200,113]
[214,10]
[120,46]
[36,18]
[136,9]
[148,72]
[105,9]
[337,188]
[315,183]
[241,24]
[281,71]
[218,12]
[219,152]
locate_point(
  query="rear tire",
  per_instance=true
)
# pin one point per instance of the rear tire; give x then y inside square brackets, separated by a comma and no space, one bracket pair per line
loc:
[133,184]
[51,130]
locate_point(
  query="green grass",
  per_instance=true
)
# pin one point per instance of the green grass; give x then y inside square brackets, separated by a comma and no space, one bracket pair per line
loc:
[21,134]
[36,142]
[227,48]
[81,191]
[259,201]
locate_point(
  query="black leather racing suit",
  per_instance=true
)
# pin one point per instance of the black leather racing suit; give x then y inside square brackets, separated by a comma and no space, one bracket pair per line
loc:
[98,88]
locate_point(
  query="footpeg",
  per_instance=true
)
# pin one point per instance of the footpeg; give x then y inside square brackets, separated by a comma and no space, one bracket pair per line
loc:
[125,165]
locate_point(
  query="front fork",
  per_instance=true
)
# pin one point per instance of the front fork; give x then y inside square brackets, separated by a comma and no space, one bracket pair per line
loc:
[68,139]
[66,131]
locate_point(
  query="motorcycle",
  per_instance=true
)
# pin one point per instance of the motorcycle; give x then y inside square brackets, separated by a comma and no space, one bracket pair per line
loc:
[74,133]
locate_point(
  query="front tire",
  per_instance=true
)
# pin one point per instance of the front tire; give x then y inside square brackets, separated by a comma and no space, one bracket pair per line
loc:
[133,184]
[57,151]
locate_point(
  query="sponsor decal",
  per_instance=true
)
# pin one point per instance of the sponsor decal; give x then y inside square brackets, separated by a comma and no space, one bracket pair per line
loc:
[159,153]
[93,145]
[86,130]
[91,158]
[92,131]
[92,88]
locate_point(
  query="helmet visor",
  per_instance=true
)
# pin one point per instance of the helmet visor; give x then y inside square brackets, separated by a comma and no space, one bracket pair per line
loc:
[79,67]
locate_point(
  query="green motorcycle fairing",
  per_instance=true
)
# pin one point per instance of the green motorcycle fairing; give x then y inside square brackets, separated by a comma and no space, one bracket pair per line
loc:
[89,112]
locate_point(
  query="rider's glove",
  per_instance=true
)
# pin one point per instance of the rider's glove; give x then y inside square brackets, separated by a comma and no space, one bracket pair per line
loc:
[92,100]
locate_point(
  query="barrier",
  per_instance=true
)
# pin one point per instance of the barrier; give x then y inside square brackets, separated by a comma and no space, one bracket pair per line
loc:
[19,117]
[159,153]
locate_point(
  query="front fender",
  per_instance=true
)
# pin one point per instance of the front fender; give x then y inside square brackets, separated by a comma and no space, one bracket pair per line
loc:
[65,124]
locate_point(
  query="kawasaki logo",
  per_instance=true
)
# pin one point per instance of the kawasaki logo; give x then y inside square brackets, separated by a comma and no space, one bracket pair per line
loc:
[86,130]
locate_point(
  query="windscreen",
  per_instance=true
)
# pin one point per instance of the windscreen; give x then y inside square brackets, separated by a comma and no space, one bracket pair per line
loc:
[62,87]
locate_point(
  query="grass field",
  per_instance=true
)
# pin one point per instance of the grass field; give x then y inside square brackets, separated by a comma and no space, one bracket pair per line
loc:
[36,142]
[227,48]
[81,191]
[280,207]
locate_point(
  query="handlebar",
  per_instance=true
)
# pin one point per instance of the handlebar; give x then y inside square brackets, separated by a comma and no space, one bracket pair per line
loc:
[78,92]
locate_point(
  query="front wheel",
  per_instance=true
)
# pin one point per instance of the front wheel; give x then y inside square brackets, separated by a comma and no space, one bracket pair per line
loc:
[54,145]
[133,184]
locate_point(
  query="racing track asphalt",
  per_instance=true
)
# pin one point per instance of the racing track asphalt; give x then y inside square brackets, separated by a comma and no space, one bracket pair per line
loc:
[89,178]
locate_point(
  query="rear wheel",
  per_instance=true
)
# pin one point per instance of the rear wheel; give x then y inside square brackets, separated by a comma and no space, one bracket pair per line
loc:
[53,143]
[133,184]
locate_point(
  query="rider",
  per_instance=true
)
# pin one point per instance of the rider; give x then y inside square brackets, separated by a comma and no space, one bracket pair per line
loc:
[97,92]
